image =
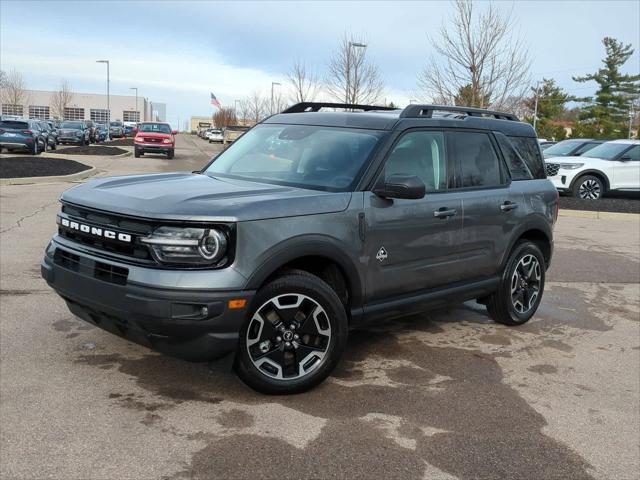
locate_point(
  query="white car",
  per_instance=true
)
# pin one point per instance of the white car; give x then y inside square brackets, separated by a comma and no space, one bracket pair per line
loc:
[610,166]
[215,136]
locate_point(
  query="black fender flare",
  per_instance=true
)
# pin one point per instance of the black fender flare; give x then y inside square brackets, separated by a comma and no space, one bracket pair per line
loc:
[310,245]
[592,171]
[535,222]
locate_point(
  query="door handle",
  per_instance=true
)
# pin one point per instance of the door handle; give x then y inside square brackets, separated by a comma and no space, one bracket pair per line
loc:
[444,212]
[508,206]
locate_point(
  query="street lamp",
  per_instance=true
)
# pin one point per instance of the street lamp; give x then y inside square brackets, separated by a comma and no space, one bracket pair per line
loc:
[272,84]
[108,101]
[352,45]
[137,111]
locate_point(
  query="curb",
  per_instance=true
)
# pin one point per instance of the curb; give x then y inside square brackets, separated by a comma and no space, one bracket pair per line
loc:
[56,178]
[599,215]
[64,155]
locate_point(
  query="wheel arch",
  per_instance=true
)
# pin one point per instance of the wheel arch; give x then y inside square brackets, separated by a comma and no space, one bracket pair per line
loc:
[596,173]
[536,230]
[323,257]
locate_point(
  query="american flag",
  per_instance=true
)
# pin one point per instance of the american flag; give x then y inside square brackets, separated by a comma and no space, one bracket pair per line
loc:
[214,101]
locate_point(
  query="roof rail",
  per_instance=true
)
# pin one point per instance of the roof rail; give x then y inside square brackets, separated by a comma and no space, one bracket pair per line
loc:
[414,111]
[316,106]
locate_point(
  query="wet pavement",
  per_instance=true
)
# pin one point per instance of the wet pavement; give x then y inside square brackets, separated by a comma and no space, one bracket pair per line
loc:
[443,395]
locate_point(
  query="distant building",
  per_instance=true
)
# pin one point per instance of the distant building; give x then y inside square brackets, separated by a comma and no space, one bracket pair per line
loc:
[198,123]
[85,106]
[158,112]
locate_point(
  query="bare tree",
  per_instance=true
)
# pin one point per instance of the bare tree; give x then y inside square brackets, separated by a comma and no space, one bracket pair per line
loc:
[478,54]
[61,99]
[304,83]
[14,90]
[244,110]
[351,77]
[258,107]
[225,117]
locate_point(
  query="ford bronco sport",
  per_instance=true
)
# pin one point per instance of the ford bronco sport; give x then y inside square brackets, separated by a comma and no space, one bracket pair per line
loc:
[312,223]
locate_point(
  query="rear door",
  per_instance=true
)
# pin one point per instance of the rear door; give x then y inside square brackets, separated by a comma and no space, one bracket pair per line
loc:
[626,170]
[490,206]
[412,245]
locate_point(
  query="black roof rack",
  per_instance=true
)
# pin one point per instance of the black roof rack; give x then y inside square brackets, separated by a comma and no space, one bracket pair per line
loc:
[415,111]
[316,106]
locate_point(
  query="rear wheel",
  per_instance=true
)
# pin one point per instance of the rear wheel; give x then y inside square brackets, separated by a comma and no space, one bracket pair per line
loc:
[521,286]
[588,187]
[35,150]
[293,337]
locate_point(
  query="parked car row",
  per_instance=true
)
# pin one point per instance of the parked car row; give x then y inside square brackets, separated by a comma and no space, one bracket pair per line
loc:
[589,169]
[34,136]
[223,135]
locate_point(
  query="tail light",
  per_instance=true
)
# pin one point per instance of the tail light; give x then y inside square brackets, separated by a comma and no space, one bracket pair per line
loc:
[27,132]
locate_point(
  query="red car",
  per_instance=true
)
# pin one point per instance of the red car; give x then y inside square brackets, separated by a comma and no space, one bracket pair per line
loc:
[154,137]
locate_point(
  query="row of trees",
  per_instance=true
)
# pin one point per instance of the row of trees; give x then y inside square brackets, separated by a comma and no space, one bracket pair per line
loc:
[13,91]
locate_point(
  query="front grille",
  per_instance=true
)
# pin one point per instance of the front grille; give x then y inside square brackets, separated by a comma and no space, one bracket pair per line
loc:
[552,169]
[99,270]
[135,251]
[152,139]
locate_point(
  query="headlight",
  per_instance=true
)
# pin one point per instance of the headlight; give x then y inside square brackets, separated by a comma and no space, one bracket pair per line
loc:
[570,166]
[79,134]
[166,140]
[187,246]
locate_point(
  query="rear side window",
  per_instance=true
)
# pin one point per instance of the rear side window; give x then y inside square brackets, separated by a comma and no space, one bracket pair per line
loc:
[14,125]
[529,150]
[479,165]
[421,154]
[518,168]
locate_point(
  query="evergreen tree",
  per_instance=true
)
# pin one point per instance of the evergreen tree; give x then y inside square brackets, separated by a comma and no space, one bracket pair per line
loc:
[607,114]
[551,108]
[466,98]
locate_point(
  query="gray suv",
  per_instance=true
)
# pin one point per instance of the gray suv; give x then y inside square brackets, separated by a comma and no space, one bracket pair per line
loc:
[312,223]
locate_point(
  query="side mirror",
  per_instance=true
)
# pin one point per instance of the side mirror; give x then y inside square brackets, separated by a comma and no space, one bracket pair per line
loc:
[174,132]
[408,187]
[625,158]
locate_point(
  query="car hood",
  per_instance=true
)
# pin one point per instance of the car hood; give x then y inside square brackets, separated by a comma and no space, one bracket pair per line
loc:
[198,197]
[574,159]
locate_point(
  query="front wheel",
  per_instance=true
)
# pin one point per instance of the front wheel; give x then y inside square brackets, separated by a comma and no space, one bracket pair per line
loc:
[170,154]
[293,337]
[136,153]
[588,187]
[521,286]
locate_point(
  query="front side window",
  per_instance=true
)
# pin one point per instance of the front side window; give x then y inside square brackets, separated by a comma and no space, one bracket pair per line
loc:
[585,148]
[607,151]
[422,154]
[324,158]
[479,165]
[633,154]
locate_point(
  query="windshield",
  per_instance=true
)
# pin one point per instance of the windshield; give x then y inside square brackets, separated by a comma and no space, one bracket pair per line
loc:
[607,151]
[116,124]
[562,148]
[325,158]
[76,125]
[154,127]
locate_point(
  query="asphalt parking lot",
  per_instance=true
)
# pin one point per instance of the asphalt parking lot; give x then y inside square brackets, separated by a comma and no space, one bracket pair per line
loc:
[444,395]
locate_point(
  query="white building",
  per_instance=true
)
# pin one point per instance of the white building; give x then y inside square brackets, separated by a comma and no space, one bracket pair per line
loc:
[84,106]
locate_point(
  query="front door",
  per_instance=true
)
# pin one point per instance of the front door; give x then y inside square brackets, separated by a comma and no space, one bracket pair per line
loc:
[412,245]
[626,171]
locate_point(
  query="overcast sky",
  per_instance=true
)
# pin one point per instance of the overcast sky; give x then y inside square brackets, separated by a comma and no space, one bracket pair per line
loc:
[178,52]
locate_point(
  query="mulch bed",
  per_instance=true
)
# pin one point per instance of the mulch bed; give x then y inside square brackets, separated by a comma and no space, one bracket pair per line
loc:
[122,142]
[93,150]
[20,167]
[624,203]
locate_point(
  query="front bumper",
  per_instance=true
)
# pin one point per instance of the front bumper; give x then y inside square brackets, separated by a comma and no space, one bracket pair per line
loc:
[561,181]
[192,324]
[71,139]
[154,147]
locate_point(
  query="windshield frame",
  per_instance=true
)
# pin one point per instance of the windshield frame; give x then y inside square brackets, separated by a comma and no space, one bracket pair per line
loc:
[383,135]
[626,146]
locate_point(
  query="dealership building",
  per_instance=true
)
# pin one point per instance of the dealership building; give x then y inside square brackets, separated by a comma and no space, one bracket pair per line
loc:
[87,106]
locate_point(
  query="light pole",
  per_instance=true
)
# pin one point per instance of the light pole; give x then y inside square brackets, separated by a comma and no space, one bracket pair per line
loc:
[411,101]
[535,108]
[355,73]
[137,111]
[108,101]
[272,85]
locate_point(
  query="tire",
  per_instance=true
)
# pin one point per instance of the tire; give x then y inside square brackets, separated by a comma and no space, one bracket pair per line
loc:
[170,154]
[82,142]
[290,364]
[54,146]
[35,150]
[136,153]
[588,187]
[523,276]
